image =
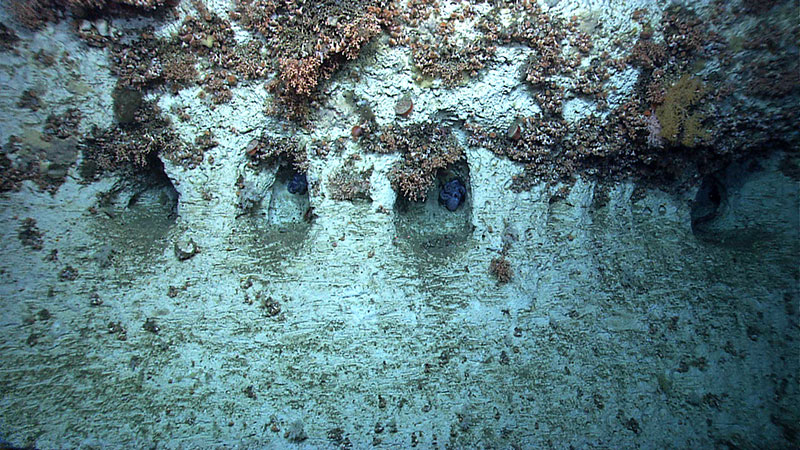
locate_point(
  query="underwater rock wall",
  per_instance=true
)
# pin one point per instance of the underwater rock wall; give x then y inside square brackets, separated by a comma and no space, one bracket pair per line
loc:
[605,283]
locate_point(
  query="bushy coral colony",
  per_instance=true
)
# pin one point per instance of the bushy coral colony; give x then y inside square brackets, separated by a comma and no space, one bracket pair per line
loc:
[703,94]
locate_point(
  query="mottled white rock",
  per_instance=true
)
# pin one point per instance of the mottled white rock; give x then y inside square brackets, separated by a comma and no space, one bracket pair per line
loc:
[370,307]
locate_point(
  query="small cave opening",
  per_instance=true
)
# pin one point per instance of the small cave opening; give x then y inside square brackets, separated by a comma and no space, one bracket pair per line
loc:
[157,180]
[443,221]
[148,188]
[133,217]
[708,204]
[750,202]
[289,202]
[277,214]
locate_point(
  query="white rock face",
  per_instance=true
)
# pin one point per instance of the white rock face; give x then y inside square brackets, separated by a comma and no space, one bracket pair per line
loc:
[620,327]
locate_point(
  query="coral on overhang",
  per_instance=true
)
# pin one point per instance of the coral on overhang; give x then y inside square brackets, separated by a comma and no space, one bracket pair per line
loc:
[35,13]
[680,116]
[309,40]
[350,183]
[425,149]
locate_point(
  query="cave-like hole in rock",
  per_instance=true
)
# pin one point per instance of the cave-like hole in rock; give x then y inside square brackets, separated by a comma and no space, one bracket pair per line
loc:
[133,217]
[441,223]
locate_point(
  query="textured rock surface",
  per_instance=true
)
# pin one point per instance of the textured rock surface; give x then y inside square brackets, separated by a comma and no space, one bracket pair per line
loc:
[379,323]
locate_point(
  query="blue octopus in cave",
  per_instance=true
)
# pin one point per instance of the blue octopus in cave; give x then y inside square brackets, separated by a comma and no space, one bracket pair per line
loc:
[298,185]
[452,194]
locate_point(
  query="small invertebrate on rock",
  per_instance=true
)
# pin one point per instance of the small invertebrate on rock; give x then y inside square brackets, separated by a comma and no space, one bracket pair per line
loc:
[452,194]
[252,147]
[68,273]
[186,249]
[95,299]
[298,184]
[151,326]
[515,130]
[271,307]
[309,215]
[404,106]
[501,269]
[356,131]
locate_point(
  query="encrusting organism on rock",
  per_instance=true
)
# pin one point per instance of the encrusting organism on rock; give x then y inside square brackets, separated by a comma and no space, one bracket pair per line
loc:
[500,268]
[298,184]
[452,194]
